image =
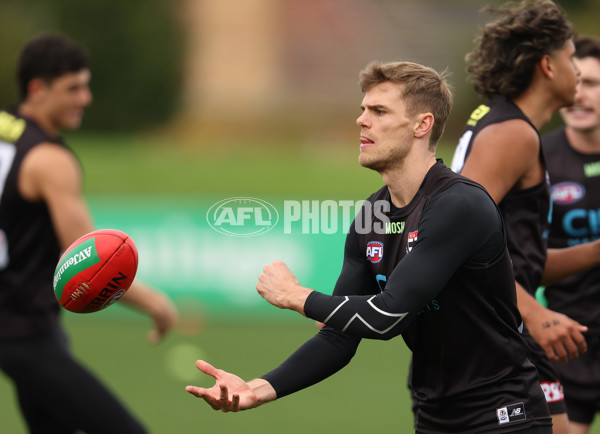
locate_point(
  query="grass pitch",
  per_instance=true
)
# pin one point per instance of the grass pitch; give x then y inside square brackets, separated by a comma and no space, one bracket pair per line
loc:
[151,379]
[369,394]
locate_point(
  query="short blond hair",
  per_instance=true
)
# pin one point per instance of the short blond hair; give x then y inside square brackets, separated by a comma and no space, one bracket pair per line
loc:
[423,90]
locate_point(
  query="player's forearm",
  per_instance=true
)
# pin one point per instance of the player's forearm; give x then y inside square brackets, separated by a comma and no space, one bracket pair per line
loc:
[145,299]
[318,358]
[526,303]
[561,263]
[139,296]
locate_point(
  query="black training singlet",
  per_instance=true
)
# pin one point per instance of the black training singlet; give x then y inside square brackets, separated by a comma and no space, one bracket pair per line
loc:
[525,212]
[436,271]
[575,191]
[29,249]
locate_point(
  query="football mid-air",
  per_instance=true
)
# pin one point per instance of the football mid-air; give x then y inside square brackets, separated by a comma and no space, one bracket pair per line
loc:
[95,271]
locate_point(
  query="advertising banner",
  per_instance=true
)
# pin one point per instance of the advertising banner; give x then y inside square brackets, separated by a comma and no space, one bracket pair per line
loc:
[211,251]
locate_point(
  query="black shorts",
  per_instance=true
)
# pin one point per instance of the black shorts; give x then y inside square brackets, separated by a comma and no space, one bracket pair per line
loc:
[49,380]
[581,381]
[549,377]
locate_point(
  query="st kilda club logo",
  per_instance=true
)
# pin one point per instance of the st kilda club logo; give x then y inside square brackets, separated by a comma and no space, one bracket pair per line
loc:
[375,251]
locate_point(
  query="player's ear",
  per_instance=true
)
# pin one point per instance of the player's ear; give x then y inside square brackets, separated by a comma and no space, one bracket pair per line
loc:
[36,89]
[546,66]
[423,124]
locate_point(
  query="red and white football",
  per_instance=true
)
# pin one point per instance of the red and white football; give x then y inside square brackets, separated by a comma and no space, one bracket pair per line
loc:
[95,271]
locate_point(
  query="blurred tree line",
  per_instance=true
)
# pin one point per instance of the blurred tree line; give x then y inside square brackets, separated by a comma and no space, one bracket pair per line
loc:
[135,48]
[138,50]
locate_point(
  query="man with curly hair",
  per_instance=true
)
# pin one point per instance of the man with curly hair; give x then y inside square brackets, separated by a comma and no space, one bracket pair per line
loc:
[523,65]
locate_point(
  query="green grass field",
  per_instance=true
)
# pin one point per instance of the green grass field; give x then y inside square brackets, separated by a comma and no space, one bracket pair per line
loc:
[369,394]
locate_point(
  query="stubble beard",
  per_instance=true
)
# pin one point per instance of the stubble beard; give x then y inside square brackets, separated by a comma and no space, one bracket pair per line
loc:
[384,163]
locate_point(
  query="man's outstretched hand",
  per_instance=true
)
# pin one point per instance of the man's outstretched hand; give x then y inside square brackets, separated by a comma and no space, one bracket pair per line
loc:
[230,392]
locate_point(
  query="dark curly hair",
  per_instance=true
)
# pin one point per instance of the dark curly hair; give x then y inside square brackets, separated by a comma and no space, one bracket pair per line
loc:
[48,56]
[508,48]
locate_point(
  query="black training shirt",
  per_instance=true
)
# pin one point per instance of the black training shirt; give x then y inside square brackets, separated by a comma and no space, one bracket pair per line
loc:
[29,248]
[436,272]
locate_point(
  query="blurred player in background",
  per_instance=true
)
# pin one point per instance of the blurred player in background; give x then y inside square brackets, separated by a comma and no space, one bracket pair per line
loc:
[42,211]
[523,64]
[434,269]
[573,160]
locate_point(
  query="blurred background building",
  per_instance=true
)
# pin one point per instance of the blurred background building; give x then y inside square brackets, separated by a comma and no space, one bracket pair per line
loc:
[215,68]
[275,66]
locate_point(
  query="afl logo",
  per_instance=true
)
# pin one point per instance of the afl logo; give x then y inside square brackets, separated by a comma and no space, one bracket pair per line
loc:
[113,298]
[242,216]
[374,251]
[566,193]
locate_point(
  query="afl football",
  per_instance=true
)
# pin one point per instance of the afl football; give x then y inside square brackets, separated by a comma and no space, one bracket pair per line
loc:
[95,271]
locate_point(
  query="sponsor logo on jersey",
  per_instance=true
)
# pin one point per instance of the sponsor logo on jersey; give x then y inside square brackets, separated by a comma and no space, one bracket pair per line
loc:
[581,225]
[502,414]
[412,238]
[375,251]
[394,227]
[592,169]
[566,193]
[511,413]
[11,128]
[553,391]
[477,114]
[381,279]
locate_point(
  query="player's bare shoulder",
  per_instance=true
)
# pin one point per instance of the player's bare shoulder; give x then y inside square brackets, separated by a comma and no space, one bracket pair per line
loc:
[48,165]
[510,138]
[515,145]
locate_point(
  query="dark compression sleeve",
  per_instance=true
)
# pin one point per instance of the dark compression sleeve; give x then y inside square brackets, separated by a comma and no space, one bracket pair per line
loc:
[330,350]
[461,225]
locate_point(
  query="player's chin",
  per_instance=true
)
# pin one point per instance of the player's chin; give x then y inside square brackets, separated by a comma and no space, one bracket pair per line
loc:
[370,163]
[584,127]
[569,100]
[581,120]
[73,125]
[364,160]
[71,122]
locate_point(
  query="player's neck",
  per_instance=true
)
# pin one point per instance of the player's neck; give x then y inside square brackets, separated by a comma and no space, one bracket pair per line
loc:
[37,114]
[584,141]
[403,182]
[537,109]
